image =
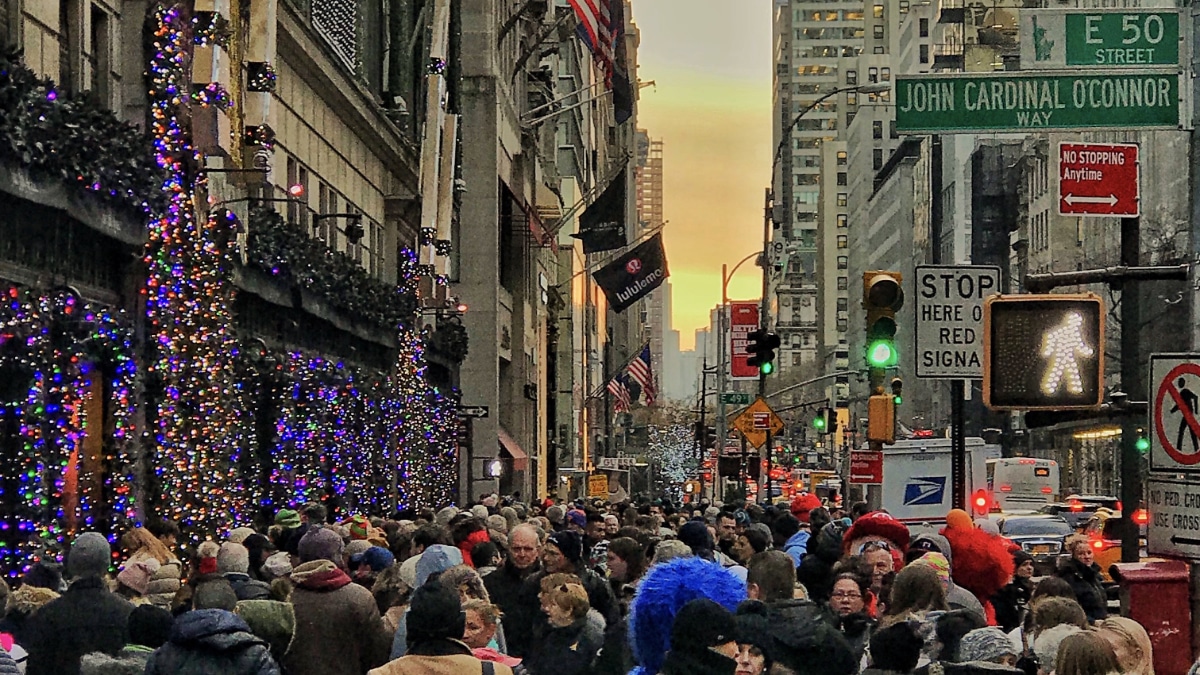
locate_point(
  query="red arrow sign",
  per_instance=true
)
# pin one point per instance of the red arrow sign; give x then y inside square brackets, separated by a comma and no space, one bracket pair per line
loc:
[1098,179]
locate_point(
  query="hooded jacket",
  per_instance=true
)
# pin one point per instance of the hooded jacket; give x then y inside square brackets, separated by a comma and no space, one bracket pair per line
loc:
[797,545]
[246,588]
[504,588]
[272,621]
[434,560]
[1089,590]
[338,627]
[212,642]
[816,568]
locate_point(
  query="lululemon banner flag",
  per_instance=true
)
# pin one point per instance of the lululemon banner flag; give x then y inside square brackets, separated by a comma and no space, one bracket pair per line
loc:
[632,276]
[602,225]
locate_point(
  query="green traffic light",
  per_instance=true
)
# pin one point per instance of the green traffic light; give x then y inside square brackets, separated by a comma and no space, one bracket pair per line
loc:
[881,353]
[1143,444]
[819,423]
[898,400]
[767,368]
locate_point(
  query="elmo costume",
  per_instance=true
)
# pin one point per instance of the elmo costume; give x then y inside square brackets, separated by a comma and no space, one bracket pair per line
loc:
[982,562]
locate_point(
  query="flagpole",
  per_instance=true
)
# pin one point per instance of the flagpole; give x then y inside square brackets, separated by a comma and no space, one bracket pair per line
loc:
[608,378]
[625,249]
[608,375]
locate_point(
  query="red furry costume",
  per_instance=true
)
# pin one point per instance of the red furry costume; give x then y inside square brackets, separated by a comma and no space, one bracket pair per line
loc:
[876,526]
[982,561]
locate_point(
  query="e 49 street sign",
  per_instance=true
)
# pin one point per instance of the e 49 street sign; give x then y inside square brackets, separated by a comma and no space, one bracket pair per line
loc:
[1102,38]
[1016,101]
[1098,179]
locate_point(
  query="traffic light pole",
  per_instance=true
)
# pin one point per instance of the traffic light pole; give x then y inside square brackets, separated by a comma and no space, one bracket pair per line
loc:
[1131,461]
[764,320]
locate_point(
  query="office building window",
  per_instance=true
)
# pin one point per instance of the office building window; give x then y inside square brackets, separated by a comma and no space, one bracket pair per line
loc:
[841,178]
[885,74]
[843,283]
[297,208]
[873,72]
[843,304]
[852,98]
[878,49]
[877,11]
[843,262]
[851,77]
[877,159]
[924,53]
[841,158]
[923,28]
[894,133]
[903,6]
[842,220]
[843,241]
[842,198]
[877,31]
[877,129]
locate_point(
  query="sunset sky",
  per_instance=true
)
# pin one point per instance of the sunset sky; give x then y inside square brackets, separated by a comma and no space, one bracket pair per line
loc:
[711,60]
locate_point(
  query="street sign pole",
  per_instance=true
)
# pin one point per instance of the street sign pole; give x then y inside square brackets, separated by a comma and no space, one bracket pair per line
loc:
[1131,475]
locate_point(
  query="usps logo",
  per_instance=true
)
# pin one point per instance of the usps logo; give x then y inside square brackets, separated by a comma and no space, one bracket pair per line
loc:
[925,491]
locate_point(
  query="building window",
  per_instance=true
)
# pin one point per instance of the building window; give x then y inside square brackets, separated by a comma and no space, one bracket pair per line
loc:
[841,178]
[873,72]
[843,304]
[842,220]
[923,28]
[98,56]
[877,31]
[893,133]
[877,159]
[924,53]
[841,158]
[843,241]
[297,208]
[852,99]
[877,129]
[851,77]
[327,228]
[878,49]
[904,6]
[843,283]
[885,74]
[842,198]
[843,262]
[877,11]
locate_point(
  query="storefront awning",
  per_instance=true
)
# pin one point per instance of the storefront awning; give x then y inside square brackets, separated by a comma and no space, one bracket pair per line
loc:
[509,446]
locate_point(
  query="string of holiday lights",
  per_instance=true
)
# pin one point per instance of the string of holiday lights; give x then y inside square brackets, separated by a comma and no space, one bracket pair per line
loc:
[672,450]
[189,294]
[53,347]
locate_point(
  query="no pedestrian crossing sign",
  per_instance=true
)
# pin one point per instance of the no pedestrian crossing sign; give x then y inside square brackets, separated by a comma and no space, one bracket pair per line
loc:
[1103,38]
[1016,101]
[950,319]
[1175,413]
[1098,179]
[1174,527]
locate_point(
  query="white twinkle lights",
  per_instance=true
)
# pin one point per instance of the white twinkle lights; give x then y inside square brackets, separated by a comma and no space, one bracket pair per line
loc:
[1062,347]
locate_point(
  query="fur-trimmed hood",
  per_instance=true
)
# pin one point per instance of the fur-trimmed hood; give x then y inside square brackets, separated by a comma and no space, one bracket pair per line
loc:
[662,592]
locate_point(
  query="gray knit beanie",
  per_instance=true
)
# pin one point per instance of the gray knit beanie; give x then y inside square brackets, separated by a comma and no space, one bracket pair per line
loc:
[90,556]
[321,544]
[233,559]
[985,644]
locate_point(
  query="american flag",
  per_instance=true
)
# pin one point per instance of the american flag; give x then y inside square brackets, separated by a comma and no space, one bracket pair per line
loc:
[620,393]
[643,372]
[595,28]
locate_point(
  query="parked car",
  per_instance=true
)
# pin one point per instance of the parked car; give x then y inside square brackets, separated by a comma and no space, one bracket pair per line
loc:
[1039,535]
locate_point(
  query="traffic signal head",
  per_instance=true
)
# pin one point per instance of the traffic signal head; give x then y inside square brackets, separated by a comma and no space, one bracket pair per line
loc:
[980,502]
[762,345]
[897,390]
[1043,352]
[882,296]
[881,418]
[825,422]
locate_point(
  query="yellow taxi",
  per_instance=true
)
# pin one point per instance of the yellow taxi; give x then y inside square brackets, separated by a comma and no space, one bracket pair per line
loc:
[1103,533]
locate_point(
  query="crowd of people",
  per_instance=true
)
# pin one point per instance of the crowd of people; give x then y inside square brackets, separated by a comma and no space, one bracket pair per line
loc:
[567,589]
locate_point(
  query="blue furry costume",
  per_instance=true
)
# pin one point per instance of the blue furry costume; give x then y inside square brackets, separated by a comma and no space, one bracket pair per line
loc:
[663,591]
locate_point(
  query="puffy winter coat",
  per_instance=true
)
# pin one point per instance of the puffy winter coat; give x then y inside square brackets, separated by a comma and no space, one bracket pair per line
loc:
[816,568]
[87,618]
[504,588]
[568,650]
[248,589]
[212,642]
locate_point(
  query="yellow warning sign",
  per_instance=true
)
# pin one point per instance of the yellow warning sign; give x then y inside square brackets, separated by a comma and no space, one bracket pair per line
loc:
[756,421]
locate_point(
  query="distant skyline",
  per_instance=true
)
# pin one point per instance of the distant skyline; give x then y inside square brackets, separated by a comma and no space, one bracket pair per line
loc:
[711,106]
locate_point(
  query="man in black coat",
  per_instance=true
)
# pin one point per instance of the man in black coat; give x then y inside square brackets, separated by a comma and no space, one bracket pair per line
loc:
[87,618]
[505,583]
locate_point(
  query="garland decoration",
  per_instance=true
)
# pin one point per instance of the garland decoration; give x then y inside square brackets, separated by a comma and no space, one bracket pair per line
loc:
[189,295]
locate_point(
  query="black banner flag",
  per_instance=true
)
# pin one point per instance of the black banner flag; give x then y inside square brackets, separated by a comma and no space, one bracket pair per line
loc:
[632,276]
[602,225]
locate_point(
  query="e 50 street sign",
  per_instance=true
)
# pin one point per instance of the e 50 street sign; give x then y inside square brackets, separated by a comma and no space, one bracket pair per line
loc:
[1015,101]
[1065,38]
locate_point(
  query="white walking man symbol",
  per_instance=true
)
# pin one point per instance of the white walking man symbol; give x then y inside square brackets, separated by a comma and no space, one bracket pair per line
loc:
[1063,346]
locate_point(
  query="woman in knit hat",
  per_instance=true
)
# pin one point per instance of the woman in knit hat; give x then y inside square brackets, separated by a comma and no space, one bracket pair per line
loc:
[1012,601]
[755,647]
[987,645]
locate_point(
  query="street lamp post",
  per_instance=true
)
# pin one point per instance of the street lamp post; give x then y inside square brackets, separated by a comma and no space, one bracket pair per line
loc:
[785,141]
[723,358]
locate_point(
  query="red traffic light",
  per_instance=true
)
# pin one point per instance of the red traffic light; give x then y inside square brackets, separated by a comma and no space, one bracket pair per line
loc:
[981,501]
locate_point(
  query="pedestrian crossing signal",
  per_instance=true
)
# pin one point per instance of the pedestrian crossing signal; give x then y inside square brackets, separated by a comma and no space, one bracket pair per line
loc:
[1043,352]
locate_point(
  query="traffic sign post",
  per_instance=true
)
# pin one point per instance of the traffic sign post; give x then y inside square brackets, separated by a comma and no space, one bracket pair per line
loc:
[1098,179]
[1174,527]
[1016,101]
[1175,413]
[1115,38]
[757,421]
[949,316]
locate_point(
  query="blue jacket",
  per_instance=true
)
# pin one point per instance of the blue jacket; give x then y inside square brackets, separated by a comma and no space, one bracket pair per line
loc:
[797,546]
[212,642]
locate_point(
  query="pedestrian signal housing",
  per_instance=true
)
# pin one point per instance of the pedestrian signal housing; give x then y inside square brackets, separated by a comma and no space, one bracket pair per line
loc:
[883,295]
[1043,352]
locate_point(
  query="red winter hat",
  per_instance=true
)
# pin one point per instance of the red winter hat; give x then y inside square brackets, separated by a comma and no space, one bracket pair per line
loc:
[878,524]
[469,543]
[803,503]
